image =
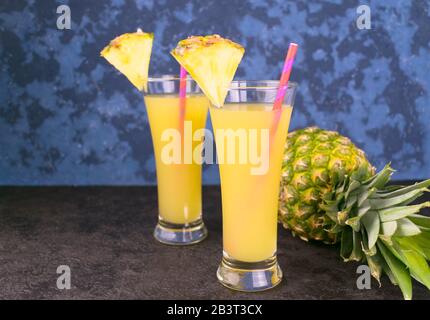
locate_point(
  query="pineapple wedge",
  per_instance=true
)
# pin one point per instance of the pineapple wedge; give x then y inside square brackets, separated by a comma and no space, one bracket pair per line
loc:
[211,61]
[130,54]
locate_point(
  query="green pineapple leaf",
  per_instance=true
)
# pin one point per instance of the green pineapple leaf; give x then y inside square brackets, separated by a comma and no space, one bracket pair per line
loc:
[421,241]
[364,196]
[364,209]
[354,223]
[388,228]
[372,225]
[354,185]
[399,190]
[382,203]
[352,200]
[335,228]
[396,213]
[357,252]
[360,174]
[406,227]
[416,263]
[398,270]
[346,244]
[413,243]
[375,263]
[368,251]
[381,178]
[420,220]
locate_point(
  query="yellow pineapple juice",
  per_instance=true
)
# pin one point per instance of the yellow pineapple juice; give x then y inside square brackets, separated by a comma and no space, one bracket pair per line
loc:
[179,184]
[250,201]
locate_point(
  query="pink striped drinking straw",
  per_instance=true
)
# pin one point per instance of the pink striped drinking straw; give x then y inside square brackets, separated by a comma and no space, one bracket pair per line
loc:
[182,98]
[286,71]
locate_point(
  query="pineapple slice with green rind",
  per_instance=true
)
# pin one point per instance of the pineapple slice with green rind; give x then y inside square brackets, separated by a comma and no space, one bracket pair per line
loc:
[212,62]
[130,54]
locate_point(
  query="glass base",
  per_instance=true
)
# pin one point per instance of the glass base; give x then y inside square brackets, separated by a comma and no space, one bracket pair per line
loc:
[180,234]
[249,276]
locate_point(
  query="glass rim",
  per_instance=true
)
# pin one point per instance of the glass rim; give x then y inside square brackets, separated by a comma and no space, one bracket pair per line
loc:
[258,85]
[234,85]
[168,77]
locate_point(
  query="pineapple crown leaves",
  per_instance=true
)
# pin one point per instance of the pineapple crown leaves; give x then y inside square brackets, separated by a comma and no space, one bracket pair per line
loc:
[378,224]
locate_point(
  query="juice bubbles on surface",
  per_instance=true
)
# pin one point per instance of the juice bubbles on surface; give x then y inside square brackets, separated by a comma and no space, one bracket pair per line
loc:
[250,200]
[179,184]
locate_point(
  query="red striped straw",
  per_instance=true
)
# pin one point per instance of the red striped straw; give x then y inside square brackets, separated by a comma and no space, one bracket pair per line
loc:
[286,71]
[182,97]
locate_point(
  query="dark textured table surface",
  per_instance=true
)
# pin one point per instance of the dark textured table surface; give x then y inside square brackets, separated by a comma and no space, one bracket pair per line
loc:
[105,235]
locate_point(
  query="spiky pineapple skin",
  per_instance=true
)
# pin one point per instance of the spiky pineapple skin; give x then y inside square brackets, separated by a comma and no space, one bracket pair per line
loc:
[313,157]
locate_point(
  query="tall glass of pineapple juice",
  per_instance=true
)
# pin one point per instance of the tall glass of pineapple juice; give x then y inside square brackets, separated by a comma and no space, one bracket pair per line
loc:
[250,138]
[179,170]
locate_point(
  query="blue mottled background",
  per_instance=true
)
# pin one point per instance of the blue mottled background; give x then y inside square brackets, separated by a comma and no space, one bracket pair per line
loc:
[67,117]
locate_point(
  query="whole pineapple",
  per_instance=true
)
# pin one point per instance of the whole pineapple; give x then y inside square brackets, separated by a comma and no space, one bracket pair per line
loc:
[313,158]
[330,192]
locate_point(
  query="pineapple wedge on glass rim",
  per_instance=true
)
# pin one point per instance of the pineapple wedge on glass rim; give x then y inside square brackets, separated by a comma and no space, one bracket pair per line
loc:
[211,61]
[130,53]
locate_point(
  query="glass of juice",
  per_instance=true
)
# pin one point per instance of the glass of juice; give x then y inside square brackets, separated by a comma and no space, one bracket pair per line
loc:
[177,137]
[250,138]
